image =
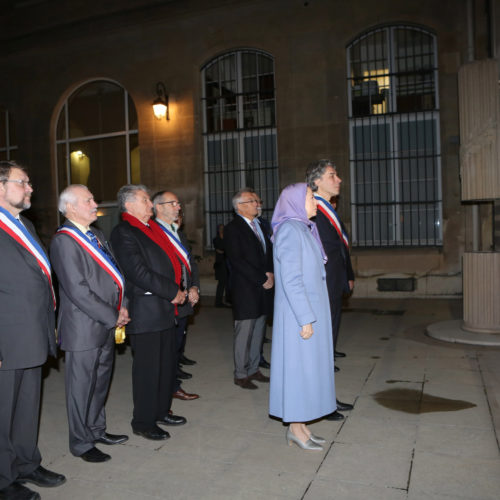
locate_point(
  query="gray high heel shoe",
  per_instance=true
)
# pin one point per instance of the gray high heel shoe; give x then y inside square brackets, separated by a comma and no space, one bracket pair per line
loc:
[317,439]
[308,445]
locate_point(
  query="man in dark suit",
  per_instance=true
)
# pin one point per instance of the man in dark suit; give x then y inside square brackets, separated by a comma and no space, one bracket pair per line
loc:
[26,336]
[91,289]
[249,252]
[167,208]
[324,181]
[153,278]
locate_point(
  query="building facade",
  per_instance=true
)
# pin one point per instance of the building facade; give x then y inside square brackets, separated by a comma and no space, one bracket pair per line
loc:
[257,89]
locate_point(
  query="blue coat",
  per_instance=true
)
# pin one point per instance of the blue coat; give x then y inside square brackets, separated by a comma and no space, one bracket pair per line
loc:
[302,371]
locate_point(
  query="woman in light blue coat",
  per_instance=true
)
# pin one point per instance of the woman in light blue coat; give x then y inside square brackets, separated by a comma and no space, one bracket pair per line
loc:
[302,380]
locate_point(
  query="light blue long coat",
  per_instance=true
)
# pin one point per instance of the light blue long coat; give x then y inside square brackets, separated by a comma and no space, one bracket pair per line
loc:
[302,371]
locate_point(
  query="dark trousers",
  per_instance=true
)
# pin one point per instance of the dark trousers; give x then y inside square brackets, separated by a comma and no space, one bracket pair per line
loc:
[87,374]
[180,342]
[336,312]
[19,413]
[153,376]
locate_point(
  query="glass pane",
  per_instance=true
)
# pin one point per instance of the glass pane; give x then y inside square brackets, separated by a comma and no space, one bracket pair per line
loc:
[248,64]
[132,115]
[62,174]
[101,165]
[266,64]
[61,124]
[135,159]
[96,108]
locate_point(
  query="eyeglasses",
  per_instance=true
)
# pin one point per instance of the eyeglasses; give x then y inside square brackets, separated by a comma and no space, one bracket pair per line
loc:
[249,201]
[173,203]
[25,184]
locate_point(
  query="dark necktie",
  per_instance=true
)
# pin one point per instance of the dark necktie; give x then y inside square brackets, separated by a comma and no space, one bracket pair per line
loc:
[256,231]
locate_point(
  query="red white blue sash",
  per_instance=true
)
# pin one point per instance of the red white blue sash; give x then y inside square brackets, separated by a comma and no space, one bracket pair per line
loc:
[99,256]
[329,212]
[15,228]
[180,249]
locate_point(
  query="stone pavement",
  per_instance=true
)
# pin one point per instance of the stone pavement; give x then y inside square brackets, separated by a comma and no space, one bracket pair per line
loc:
[425,424]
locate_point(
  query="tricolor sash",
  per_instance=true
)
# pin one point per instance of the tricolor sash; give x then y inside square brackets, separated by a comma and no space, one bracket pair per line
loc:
[21,235]
[99,256]
[329,212]
[180,249]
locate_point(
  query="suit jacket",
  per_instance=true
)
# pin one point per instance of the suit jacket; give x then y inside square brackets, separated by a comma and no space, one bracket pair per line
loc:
[338,268]
[193,279]
[149,278]
[248,266]
[88,295]
[27,319]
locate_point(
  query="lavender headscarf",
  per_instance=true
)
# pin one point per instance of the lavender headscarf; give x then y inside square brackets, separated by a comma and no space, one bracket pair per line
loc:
[292,205]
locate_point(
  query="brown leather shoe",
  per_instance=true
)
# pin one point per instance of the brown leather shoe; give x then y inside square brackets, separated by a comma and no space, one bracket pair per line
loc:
[185,396]
[245,383]
[259,377]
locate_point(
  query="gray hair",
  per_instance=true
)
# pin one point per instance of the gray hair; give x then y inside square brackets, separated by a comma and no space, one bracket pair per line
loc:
[68,197]
[6,167]
[127,193]
[237,196]
[315,170]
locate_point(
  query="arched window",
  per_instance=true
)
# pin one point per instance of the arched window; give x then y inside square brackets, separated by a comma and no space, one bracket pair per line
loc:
[7,136]
[395,153]
[239,130]
[97,144]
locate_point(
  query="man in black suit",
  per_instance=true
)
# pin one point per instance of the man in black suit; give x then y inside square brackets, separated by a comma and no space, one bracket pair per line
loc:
[249,252]
[324,181]
[26,336]
[152,278]
[167,208]
[91,291]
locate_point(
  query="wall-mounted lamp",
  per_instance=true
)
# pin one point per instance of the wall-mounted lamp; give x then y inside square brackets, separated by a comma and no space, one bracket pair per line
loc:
[160,104]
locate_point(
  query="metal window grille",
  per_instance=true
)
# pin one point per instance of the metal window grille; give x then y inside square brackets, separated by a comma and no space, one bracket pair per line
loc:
[395,153]
[239,131]
[7,136]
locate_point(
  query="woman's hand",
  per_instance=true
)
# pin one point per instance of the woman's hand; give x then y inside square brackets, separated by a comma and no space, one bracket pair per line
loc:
[306,331]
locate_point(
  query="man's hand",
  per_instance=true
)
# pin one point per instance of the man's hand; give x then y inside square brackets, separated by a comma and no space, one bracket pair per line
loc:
[306,331]
[193,295]
[180,297]
[123,317]
[269,283]
[351,284]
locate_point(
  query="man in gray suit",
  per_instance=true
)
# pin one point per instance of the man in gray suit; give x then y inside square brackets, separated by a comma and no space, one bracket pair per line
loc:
[26,336]
[91,289]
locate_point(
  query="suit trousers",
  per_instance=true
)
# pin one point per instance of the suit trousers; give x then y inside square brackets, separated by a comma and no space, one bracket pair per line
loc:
[19,413]
[248,337]
[180,342]
[336,312]
[153,376]
[88,375]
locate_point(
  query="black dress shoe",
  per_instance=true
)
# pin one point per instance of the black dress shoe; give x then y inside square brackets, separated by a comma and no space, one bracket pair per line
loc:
[266,341]
[182,374]
[344,406]
[112,438]
[339,354]
[186,361]
[95,456]
[172,419]
[16,491]
[337,369]
[264,364]
[335,416]
[42,477]
[153,434]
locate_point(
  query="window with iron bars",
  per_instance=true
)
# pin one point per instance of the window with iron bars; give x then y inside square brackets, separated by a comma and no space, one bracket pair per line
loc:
[395,153]
[239,131]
